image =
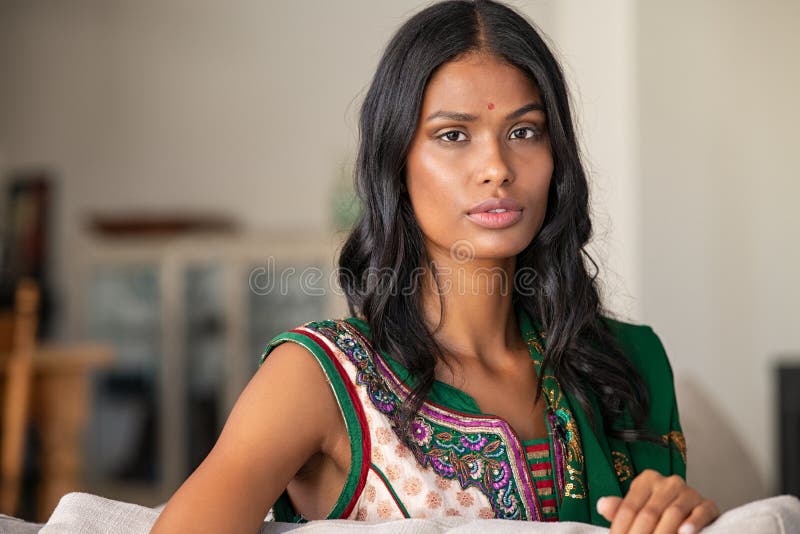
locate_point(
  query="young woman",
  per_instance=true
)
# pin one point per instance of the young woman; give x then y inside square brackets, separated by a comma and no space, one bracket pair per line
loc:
[478,375]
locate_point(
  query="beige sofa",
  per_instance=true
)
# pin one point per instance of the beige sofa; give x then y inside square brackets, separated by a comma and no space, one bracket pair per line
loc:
[82,513]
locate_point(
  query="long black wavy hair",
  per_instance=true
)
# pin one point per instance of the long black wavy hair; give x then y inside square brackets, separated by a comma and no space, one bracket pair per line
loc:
[580,348]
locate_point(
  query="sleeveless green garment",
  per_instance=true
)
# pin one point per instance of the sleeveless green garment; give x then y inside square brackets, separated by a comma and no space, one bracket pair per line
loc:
[466,463]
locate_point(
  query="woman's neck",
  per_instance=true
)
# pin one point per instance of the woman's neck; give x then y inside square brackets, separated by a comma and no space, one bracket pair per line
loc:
[475,319]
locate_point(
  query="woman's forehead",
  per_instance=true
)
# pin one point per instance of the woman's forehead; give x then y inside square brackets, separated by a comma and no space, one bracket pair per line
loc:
[477,80]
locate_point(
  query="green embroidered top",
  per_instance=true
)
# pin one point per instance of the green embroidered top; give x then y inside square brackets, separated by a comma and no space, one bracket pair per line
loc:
[468,463]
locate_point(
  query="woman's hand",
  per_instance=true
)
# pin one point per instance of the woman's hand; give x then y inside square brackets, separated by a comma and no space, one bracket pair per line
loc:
[658,504]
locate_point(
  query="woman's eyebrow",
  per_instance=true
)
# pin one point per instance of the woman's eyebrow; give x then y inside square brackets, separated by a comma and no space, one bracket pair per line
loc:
[467,117]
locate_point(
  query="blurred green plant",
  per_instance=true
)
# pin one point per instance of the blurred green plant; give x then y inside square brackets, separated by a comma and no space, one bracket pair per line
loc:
[345,206]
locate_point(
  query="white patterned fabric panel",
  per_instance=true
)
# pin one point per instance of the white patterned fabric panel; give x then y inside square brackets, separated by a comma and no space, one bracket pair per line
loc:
[422,492]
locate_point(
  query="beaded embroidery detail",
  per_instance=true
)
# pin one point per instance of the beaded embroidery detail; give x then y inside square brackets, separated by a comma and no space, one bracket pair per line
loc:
[676,438]
[622,466]
[565,423]
[475,451]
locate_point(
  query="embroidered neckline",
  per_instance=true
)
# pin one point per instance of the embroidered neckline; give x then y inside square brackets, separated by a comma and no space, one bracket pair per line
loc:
[526,328]
[560,417]
[477,449]
[474,450]
[528,334]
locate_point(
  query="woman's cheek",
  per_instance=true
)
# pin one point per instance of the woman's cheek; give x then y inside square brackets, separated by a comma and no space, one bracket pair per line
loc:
[431,211]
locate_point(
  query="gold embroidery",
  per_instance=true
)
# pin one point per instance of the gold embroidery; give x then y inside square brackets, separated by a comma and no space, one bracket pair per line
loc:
[537,455]
[573,483]
[537,346]
[622,465]
[574,464]
[574,461]
[574,454]
[678,440]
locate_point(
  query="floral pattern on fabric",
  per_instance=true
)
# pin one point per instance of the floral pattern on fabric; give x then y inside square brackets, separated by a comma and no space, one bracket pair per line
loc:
[476,459]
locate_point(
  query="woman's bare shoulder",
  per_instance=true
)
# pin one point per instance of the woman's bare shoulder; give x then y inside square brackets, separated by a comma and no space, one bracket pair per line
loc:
[281,419]
[291,381]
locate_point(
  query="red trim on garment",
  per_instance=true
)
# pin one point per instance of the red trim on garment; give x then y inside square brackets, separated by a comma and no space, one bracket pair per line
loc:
[366,446]
[538,447]
[540,466]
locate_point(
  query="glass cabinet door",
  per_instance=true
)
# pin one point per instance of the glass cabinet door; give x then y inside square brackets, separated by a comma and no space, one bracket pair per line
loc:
[281,300]
[123,310]
[188,330]
[205,331]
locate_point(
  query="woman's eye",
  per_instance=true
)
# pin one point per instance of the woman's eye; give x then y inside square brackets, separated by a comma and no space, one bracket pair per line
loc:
[525,133]
[453,136]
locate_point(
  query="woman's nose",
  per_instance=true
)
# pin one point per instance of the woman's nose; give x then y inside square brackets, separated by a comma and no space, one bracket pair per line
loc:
[493,166]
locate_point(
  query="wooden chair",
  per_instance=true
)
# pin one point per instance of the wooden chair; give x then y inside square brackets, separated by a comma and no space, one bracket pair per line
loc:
[17,346]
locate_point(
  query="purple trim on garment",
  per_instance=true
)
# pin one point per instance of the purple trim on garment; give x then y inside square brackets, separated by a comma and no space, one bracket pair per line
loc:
[442,414]
[558,453]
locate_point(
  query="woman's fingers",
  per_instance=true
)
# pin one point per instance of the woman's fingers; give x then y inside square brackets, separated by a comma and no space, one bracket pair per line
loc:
[703,514]
[668,493]
[659,504]
[607,507]
[638,495]
[677,512]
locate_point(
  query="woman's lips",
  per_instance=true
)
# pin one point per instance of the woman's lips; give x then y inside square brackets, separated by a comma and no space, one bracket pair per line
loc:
[496,203]
[495,220]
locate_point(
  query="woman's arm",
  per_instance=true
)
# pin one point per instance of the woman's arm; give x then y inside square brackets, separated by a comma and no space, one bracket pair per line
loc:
[269,435]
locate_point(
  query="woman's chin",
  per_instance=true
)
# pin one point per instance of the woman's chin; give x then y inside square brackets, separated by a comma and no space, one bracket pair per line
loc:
[500,248]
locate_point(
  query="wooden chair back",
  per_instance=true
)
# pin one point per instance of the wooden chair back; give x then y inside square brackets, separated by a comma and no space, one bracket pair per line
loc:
[17,347]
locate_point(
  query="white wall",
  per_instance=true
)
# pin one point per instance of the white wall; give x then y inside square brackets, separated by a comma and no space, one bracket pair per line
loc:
[718,83]
[595,42]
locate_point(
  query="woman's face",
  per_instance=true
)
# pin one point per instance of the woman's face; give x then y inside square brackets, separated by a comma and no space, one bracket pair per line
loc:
[481,136]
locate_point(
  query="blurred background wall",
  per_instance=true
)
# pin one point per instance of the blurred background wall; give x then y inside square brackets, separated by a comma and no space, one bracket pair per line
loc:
[249,109]
[717,145]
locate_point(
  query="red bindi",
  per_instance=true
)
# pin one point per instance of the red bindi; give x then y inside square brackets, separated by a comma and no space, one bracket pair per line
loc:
[491,105]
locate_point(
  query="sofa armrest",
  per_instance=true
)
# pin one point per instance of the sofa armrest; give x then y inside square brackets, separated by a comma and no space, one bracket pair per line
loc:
[91,514]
